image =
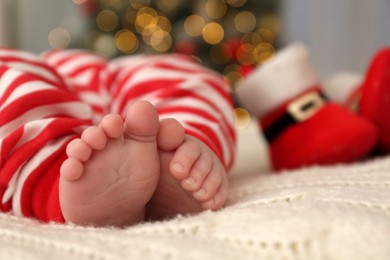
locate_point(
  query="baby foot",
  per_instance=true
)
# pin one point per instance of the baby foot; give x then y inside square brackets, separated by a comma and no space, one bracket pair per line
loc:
[112,170]
[192,177]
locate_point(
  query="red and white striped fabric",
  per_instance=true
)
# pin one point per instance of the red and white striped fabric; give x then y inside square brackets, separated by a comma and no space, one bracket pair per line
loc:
[46,101]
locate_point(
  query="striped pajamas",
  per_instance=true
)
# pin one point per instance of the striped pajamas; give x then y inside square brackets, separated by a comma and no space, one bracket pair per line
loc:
[48,100]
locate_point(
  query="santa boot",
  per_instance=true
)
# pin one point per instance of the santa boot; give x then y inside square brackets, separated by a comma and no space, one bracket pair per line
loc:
[375,97]
[302,127]
[368,95]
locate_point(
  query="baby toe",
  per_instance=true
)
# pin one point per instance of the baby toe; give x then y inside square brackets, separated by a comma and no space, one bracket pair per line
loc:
[112,125]
[79,150]
[170,134]
[198,173]
[209,186]
[184,159]
[95,137]
[71,169]
[220,197]
[142,122]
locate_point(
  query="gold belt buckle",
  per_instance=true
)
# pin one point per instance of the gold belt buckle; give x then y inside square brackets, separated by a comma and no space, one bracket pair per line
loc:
[304,107]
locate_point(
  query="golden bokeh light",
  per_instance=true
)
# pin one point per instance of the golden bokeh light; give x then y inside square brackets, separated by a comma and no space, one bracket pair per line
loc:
[146,17]
[126,41]
[154,25]
[242,118]
[263,52]
[220,33]
[245,54]
[107,20]
[161,41]
[193,25]
[148,31]
[266,35]
[245,21]
[215,9]
[158,37]
[253,38]
[164,23]
[59,38]
[213,33]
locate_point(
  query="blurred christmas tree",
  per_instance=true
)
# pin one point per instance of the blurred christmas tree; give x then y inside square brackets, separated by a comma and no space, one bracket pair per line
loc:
[230,36]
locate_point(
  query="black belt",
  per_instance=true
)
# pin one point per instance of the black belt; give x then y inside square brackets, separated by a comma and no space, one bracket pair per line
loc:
[298,110]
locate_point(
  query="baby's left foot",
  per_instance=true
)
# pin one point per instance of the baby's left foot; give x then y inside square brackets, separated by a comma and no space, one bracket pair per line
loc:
[192,177]
[112,170]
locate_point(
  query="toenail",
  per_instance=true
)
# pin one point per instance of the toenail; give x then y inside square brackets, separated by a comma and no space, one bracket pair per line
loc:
[178,167]
[209,204]
[201,192]
[190,181]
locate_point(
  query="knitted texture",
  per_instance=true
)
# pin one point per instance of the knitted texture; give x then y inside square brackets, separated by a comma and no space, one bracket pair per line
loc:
[338,212]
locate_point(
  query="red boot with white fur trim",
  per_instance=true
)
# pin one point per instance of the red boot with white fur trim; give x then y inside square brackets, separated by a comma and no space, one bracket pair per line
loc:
[301,126]
[369,95]
[375,97]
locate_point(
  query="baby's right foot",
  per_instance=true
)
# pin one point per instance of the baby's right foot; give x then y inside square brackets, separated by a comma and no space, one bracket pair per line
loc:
[112,170]
[192,177]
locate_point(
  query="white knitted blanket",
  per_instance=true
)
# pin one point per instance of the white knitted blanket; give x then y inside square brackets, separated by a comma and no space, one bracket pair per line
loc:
[338,212]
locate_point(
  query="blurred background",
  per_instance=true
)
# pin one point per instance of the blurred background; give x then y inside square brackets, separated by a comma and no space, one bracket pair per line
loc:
[229,36]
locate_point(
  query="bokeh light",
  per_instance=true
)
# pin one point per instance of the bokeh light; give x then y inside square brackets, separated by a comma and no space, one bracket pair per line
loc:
[105,44]
[59,38]
[107,20]
[126,41]
[245,21]
[161,41]
[267,35]
[164,23]
[215,9]
[232,37]
[194,24]
[252,38]
[241,118]
[263,52]
[245,54]
[146,19]
[213,33]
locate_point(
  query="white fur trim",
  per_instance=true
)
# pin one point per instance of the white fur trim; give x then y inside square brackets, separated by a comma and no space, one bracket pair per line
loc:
[288,74]
[339,87]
